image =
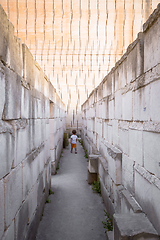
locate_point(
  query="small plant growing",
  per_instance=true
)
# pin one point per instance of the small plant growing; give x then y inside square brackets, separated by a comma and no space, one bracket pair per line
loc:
[50,192]
[108,224]
[57,167]
[48,201]
[86,155]
[96,186]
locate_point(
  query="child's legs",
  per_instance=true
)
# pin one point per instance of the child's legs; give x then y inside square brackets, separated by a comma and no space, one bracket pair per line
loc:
[72,147]
[75,147]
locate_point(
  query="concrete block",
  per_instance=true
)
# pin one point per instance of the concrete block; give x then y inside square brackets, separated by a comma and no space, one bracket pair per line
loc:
[128,173]
[141,104]
[7,153]
[13,193]
[31,171]
[147,194]
[30,71]
[118,105]
[135,146]
[12,109]
[136,226]
[10,232]
[37,132]
[151,46]
[22,138]
[51,110]
[32,202]
[22,220]
[129,203]
[155,101]
[151,143]
[4,25]
[91,177]
[111,110]
[25,103]
[110,133]
[43,126]
[114,159]
[124,140]
[2,91]
[47,150]
[30,135]
[41,187]
[93,164]
[52,140]
[127,106]
[15,53]
[102,168]
[46,108]
[1,208]
[115,132]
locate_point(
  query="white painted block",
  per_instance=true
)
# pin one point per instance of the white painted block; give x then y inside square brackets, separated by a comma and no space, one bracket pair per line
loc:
[32,201]
[114,159]
[22,147]
[152,152]
[124,140]
[21,220]
[1,208]
[110,134]
[115,133]
[7,153]
[148,196]
[151,46]
[111,110]
[118,105]
[155,101]
[10,232]
[51,123]
[31,171]
[12,108]
[141,104]
[135,146]
[13,193]
[127,106]
[127,173]
[37,132]
[2,91]
[25,103]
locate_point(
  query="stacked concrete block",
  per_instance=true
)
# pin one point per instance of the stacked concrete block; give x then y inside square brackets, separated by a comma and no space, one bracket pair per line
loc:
[130,93]
[25,156]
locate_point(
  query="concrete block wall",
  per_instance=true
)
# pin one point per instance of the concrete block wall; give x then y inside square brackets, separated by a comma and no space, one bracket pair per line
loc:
[125,112]
[27,98]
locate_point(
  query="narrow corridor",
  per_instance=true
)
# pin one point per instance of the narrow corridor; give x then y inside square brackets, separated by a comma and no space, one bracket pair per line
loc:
[75,212]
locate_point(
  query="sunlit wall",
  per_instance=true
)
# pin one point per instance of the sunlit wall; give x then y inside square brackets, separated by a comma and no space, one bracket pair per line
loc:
[77,41]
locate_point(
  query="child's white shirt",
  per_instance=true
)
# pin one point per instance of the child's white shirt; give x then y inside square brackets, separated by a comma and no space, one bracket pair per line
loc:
[74,139]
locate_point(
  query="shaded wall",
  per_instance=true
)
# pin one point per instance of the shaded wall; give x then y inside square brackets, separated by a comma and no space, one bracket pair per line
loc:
[121,118]
[26,100]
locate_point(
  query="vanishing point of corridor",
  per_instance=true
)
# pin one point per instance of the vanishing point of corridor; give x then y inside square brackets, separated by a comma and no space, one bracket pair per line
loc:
[74,211]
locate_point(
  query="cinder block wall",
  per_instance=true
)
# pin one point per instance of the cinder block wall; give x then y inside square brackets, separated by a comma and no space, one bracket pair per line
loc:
[26,125]
[121,118]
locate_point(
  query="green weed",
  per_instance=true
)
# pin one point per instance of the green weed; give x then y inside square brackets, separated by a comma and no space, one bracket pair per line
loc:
[96,186]
[48,201]
[108,224]
[50,192]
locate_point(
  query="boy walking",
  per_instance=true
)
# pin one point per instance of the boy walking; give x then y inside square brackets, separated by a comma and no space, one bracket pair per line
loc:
[73,141]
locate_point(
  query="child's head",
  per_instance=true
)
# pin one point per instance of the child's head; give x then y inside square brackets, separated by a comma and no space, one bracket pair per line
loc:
[74,131]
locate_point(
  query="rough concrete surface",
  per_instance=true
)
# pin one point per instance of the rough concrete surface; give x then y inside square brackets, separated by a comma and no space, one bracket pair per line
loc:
[75,212]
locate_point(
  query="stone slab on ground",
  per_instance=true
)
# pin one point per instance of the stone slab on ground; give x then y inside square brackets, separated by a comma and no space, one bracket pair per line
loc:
[135,226]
